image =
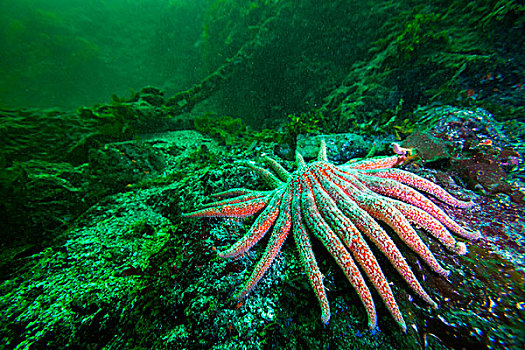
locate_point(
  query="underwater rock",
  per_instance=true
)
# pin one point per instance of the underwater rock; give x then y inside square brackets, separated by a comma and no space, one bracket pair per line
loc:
[474,144]
[151,95]
[342,147]
[428,147]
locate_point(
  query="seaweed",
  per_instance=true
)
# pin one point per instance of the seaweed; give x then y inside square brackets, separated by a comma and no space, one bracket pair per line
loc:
[422,54]
[225,129]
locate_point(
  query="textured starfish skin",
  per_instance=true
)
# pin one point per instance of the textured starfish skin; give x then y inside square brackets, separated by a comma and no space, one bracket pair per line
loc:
[338,205]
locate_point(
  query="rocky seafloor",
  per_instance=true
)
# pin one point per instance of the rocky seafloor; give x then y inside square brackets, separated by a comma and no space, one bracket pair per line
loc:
[130,272]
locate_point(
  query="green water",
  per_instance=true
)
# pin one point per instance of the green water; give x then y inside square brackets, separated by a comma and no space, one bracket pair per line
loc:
[71,53]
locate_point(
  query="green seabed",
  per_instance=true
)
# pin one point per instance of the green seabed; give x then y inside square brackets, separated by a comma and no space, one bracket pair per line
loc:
[118,116]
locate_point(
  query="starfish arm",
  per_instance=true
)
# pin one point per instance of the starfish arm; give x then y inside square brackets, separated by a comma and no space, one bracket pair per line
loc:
[366,224]
[328,209]
[278,168]
[239,199]
[349,177]
[373,163]
[368,262]
[279,234]
[349,234]
[333,244]
[270,179]
[259,228]
[306,254]
[421,184]
[431,225]
[299,160]
[397,190]
[386,212]
[236,192]
[377,208]
[322,152]
[236,210]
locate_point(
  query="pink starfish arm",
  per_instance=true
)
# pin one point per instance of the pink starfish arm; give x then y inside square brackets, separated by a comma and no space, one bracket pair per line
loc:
[331,214]
[333,244]
[306,255]
[277,238]
[266,175]
[367,261]
[236,210]
[421,184]
[278,168]
[365,223]
[237,192]
[394,189]
[373,163]
[431,225]
[259,228]
[380,209]
[242,198]
[349,234]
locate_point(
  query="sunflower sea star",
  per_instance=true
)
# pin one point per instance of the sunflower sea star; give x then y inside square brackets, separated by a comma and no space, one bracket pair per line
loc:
[338,205]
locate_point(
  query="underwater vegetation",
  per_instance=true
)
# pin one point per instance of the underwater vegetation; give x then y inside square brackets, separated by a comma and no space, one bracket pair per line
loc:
[427,55]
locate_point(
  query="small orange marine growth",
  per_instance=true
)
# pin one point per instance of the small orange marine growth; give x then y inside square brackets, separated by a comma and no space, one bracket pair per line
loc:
[486,142]
[401,150]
